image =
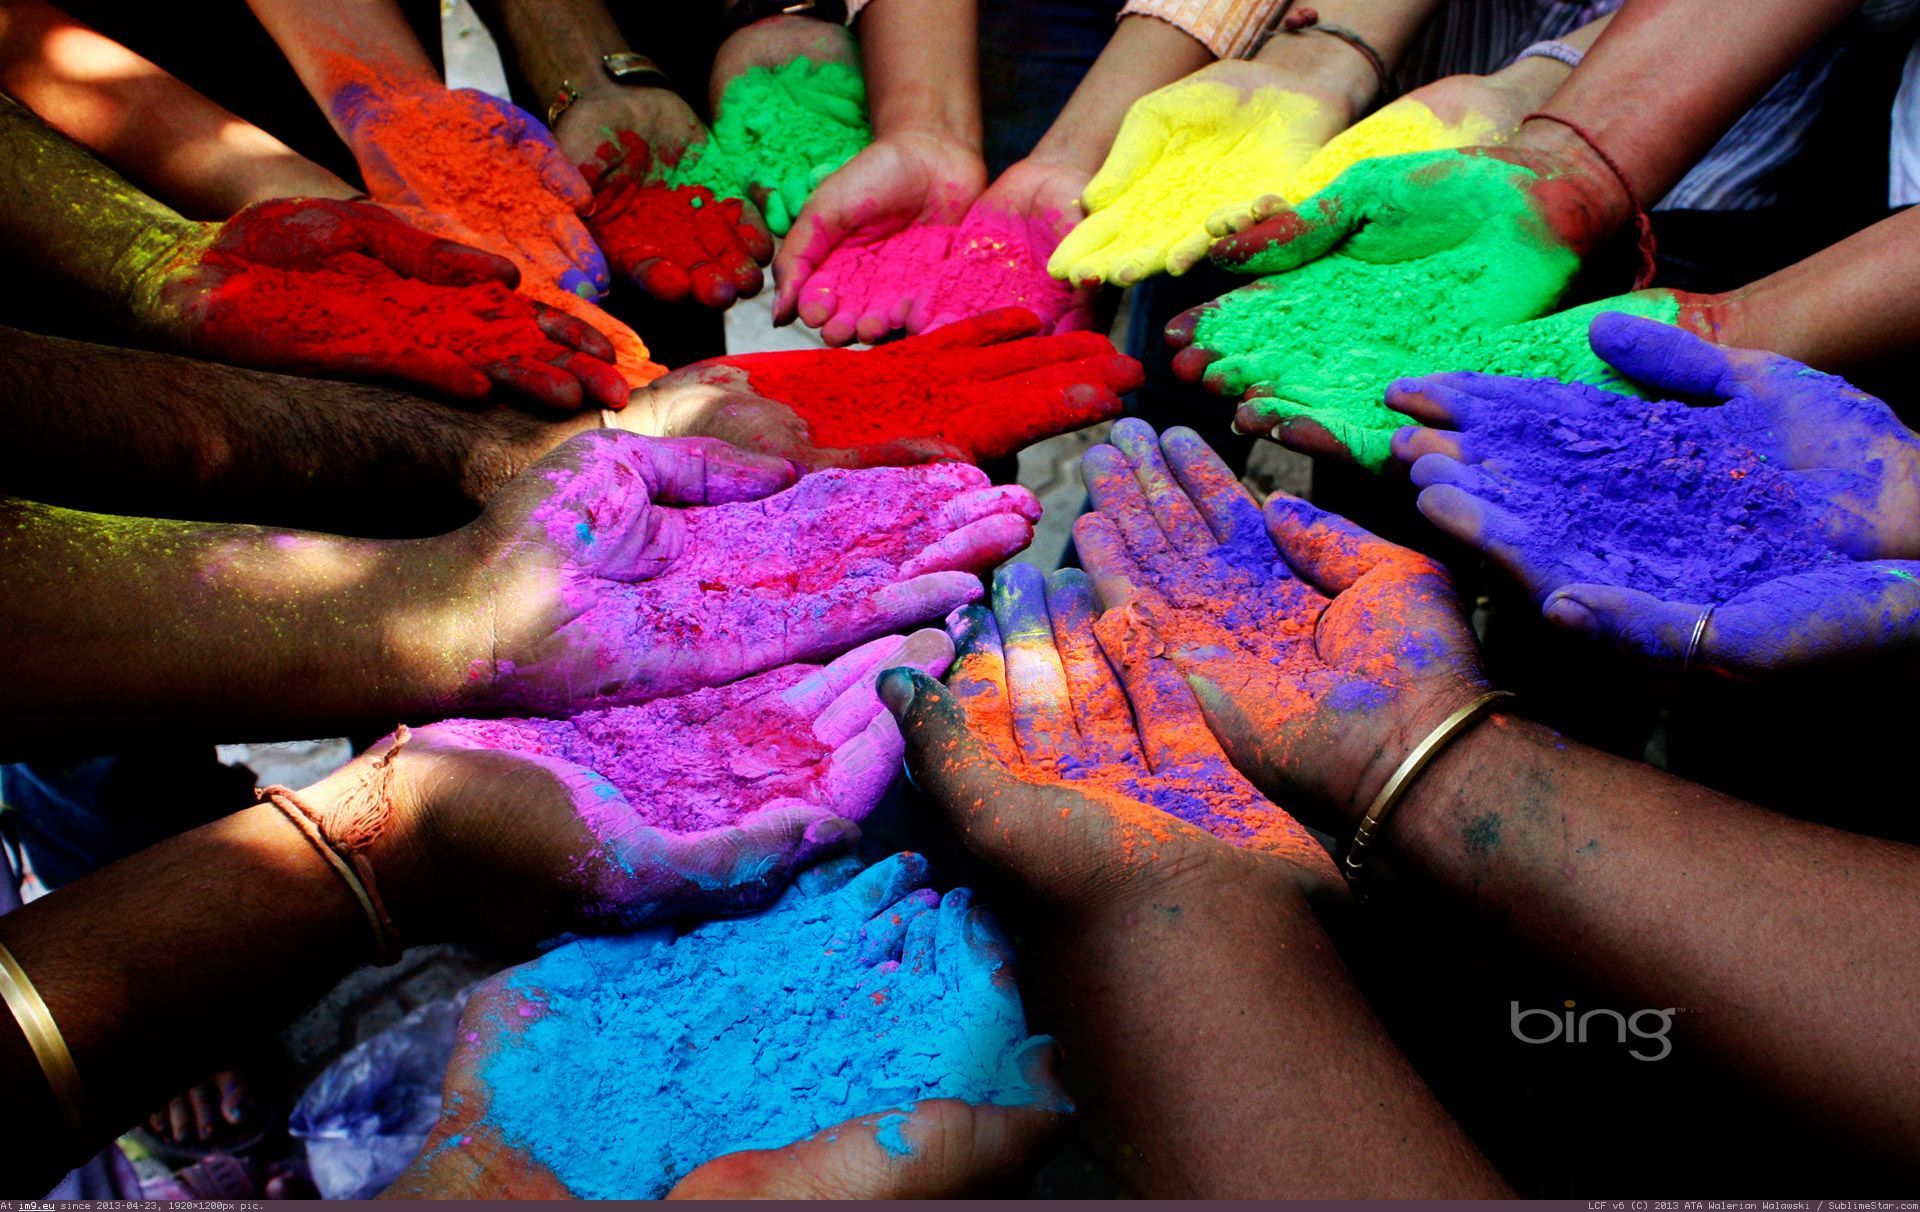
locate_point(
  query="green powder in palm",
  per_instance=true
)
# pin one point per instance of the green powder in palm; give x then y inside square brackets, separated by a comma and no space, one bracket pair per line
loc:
[1444,269]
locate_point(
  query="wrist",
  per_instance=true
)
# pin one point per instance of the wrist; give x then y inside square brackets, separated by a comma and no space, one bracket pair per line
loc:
[148,263]
[377,804]
[1586,199]
[1447,811]
[1325,67]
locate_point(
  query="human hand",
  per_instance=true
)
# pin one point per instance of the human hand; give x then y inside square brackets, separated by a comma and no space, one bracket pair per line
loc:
[868,991]
[1319,654]
[327,287]
[976,390]
[668,211]
[704,803]
[1230,133]
[790,107]
[577,589]
[870,241]
[1404,265]
[998,255]
[1788,506]
[472,167]
[1037,692]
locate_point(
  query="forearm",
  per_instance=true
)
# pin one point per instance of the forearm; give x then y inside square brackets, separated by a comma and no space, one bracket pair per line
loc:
[1668,77]
[180,438]
[351,45]
[73,221]
[1789,945]
[1223,1038]
[1847,307]
[228,632]
[1331,66]
[176,142]
[1145,53]
[921,63]
[557,41]
[155,966]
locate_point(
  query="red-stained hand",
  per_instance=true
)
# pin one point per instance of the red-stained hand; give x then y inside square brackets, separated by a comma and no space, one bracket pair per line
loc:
[973,391]
[858,259]
[328,287]
[1319,654]
[669,227]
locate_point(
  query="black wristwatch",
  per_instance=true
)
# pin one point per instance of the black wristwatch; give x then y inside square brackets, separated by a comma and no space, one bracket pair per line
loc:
[742,13]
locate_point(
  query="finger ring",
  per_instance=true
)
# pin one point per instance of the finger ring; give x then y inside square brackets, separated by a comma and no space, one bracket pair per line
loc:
[1693,641]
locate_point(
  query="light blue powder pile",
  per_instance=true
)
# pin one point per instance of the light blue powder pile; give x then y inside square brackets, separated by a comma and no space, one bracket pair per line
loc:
[641,1058]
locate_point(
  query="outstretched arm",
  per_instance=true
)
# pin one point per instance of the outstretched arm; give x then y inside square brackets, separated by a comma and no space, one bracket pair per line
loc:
[1789,945]
[181,438]
[182,146]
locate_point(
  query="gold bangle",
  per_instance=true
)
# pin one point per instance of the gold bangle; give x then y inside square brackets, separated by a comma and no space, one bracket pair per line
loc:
[1409,770]
[49,1046]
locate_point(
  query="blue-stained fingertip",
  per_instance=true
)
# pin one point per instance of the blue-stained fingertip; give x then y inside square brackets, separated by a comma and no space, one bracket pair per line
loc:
[1565,612]
[579,282]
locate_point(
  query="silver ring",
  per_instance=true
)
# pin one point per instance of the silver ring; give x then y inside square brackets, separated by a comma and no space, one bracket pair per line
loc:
[1693,642]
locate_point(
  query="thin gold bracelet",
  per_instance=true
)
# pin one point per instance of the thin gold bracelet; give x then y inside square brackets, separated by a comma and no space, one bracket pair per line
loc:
[49,1046]
[1409,770]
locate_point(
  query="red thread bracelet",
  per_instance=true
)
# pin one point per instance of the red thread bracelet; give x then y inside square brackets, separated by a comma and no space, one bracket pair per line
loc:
[1642,221]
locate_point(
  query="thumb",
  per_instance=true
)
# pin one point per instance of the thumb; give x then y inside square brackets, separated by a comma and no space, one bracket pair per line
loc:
[1305,233]
[945,759]
[1660,356]
[708,471]
[1629,620]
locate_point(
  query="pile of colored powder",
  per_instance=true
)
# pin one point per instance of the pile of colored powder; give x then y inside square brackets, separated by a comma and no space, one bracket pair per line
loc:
[1646,494]
[785,128]
[1326,339]
[997,259]
[635,1060]
[698,761]
[978,398]
[355,309]
[1403,127]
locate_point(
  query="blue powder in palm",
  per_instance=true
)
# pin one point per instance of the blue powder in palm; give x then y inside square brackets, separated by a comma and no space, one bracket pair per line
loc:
[1677,501]
[856,992]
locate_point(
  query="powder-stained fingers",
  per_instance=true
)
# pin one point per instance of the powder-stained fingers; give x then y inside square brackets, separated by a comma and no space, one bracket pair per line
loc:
[1295,236]
[882,885]
[1166,497]
[1230,512]
[917,949]
[434,369]
[857,709]
[1474,479]
[902,606]
[977,503]
[570,236]
[1325,550]
[1187,251]
[1232,374]
[1327,433]
[661,277]
[707,471]
[422,255]
[1101,716]
[539,382]
[573,332]
[860,771]
[1117,574]
[952,956]
[1502,537]
[815,695]
[1415,442]
[987,328]
[1631,621]
[741,866]
[1670,359]
[883,936]
[828,875]
[974,547]
[1036,681]
[1118,497]
[605,386]
[1173,732]
[1018,357]
[1239,216]
[978,679]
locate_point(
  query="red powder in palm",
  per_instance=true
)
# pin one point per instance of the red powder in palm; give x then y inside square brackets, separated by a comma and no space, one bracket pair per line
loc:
[355,310]
[852,398]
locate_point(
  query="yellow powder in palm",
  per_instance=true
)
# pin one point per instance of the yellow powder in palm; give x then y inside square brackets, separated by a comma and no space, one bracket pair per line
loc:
[1402,127]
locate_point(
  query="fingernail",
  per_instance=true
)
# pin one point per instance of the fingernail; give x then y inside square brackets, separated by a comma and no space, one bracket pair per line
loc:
[897,690]
[1573,616]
